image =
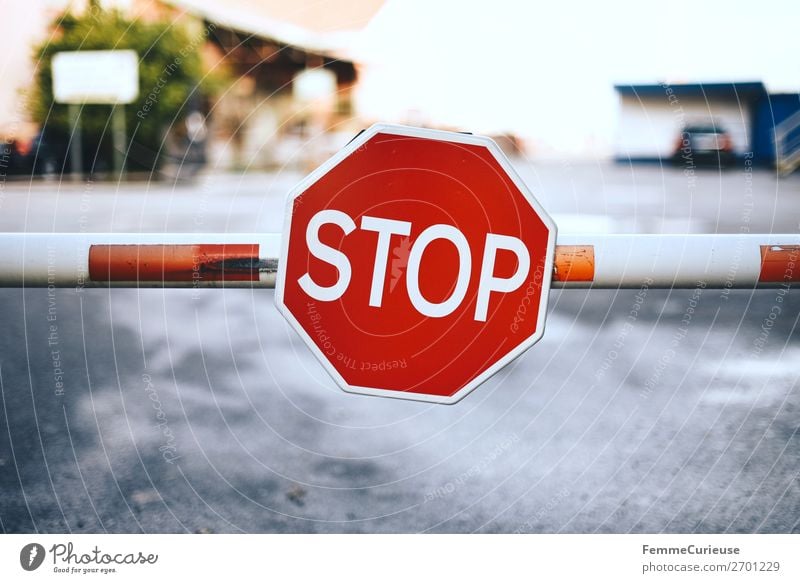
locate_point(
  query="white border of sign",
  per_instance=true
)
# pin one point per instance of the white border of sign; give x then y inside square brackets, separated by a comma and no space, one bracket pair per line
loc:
[455,137]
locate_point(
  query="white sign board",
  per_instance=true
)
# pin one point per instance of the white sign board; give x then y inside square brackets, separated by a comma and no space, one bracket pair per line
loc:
[96,77]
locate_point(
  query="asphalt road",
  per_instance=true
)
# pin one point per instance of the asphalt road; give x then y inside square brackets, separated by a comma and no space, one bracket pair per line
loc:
[639,411]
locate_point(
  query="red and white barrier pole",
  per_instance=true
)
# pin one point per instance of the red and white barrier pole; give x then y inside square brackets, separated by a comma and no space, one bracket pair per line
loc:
[676,261]
[250,260]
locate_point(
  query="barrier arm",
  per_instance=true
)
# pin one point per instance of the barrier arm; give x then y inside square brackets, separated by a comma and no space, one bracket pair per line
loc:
[250,260]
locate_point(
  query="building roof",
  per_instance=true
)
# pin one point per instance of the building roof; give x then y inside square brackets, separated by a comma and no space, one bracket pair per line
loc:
[327,27]
[733,90]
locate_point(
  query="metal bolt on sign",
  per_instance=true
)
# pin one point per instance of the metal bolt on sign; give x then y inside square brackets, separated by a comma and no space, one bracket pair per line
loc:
[404,260]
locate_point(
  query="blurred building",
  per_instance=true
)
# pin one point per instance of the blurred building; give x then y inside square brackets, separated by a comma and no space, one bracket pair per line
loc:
[760,125]
[291,97]
[23,24]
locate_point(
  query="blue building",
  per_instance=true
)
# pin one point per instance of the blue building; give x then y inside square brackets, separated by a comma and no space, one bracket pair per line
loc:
[759,124]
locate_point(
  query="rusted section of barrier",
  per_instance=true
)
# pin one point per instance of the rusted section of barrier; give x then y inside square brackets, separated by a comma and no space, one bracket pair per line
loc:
[174,263]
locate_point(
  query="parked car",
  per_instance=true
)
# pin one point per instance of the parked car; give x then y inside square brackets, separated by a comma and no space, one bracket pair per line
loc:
[15,157]
[704,144]
[46,154]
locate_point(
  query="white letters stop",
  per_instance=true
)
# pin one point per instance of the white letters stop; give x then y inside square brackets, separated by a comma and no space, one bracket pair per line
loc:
[386,229]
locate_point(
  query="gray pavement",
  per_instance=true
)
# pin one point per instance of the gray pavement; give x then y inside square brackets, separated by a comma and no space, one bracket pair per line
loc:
[181,413]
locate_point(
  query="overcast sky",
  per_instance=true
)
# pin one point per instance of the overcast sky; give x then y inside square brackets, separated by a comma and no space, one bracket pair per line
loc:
[546,71]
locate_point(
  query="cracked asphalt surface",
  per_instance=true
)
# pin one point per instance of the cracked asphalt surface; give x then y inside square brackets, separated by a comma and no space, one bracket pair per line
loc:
[204,412]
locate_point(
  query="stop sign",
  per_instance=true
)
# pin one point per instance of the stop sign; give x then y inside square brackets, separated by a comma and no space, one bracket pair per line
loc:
[415,263]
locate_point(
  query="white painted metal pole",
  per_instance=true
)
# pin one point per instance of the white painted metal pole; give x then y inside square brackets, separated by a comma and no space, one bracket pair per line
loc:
[250,260]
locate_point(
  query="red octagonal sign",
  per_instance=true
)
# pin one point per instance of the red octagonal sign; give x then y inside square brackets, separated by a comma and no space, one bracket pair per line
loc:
[415,263]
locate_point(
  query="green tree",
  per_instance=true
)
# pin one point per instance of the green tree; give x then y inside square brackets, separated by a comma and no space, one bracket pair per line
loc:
[170,70]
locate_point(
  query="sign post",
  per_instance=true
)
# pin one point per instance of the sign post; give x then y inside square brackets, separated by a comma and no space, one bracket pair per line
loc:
[96,77]
[75,141]
[118,135]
